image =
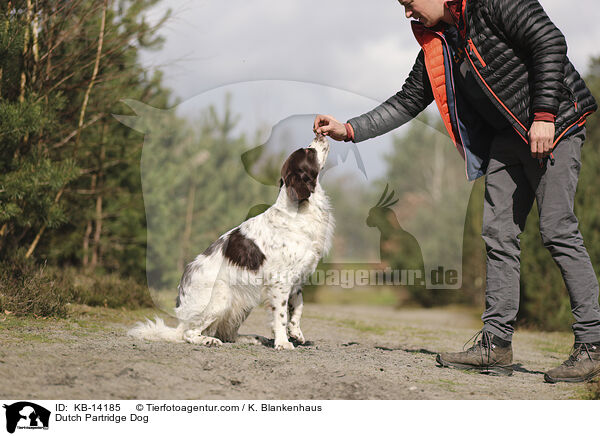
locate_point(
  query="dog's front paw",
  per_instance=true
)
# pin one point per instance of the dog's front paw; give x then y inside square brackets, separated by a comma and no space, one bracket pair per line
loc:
[296,335]
[212,342]
[284,345]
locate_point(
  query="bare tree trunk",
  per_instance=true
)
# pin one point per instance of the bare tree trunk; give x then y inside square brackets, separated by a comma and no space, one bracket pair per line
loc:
[98,232]
[3,232]
[25,46]
[86,96]
[35,47]
[88,230]
[42,229]
[5,29]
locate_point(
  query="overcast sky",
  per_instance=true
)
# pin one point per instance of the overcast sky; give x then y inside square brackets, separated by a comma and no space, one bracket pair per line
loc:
[365,47]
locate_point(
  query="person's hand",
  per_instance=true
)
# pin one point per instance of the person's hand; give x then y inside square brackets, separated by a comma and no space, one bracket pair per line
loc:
[329,126]
[541,138]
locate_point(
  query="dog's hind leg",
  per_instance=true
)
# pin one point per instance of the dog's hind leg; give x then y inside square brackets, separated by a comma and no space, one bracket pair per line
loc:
[295,305]
[227,328]
[202,327]
[195,336]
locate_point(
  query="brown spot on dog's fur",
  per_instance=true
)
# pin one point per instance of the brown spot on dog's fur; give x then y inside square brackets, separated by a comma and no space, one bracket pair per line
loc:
[281,315]
[283,303]
[242,251]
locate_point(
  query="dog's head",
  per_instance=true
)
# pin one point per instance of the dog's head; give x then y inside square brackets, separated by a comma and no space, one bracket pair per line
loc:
[300,171]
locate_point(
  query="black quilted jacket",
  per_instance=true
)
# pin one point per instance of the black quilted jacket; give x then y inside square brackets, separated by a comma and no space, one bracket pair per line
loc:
[520,56]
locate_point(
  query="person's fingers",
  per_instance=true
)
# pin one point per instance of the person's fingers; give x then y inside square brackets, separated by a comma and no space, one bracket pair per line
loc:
[327,125]
[541,137]
[533,146]
[319,119]
[537,147]
[323,121]
[543,144]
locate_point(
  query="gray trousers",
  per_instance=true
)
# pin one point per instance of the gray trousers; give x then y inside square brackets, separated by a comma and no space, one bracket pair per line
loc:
[513,180]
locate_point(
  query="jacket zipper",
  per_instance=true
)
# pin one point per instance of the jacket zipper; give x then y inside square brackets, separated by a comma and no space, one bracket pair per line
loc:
[571,97]
[580,122]
[474,50]
[498,99]
[462,144]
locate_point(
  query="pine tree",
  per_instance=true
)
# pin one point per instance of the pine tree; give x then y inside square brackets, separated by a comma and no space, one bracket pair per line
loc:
[69,182]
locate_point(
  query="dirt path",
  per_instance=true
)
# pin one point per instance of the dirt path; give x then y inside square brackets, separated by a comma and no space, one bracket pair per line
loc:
[356,353]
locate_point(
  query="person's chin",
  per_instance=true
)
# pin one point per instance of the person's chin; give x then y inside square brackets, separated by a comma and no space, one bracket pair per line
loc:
[428,23]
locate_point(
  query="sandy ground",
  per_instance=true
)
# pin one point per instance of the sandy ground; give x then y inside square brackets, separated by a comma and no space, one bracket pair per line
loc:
[353,353]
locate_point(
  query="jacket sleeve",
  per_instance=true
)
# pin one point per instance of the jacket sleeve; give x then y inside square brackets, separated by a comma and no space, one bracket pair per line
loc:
[402,107]
[532,33]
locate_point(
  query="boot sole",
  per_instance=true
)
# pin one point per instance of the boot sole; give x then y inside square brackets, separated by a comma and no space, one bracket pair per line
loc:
[488,370]
[588,377]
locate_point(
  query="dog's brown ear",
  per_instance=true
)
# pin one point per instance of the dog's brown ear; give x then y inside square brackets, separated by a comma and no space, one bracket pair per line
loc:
[299,174]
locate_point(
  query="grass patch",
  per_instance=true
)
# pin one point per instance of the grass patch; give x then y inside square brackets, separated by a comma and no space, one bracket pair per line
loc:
[353,324]
[32,337]
[81,321]
[552,347]
[448,385]
[362,327]
[593,390]
[380,297]
[82,314]
[20,329]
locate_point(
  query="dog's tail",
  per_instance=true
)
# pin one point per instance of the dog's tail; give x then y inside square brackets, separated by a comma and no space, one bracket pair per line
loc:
[157,331]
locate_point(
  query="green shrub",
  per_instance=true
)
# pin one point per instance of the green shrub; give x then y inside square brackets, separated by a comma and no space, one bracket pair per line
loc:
[109,290]
[27,288]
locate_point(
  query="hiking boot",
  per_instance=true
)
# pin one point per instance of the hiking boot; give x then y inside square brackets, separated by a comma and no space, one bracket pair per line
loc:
[582,365]
[489,355]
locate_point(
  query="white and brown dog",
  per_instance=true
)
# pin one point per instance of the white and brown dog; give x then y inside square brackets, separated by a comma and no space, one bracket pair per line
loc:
[266,258]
